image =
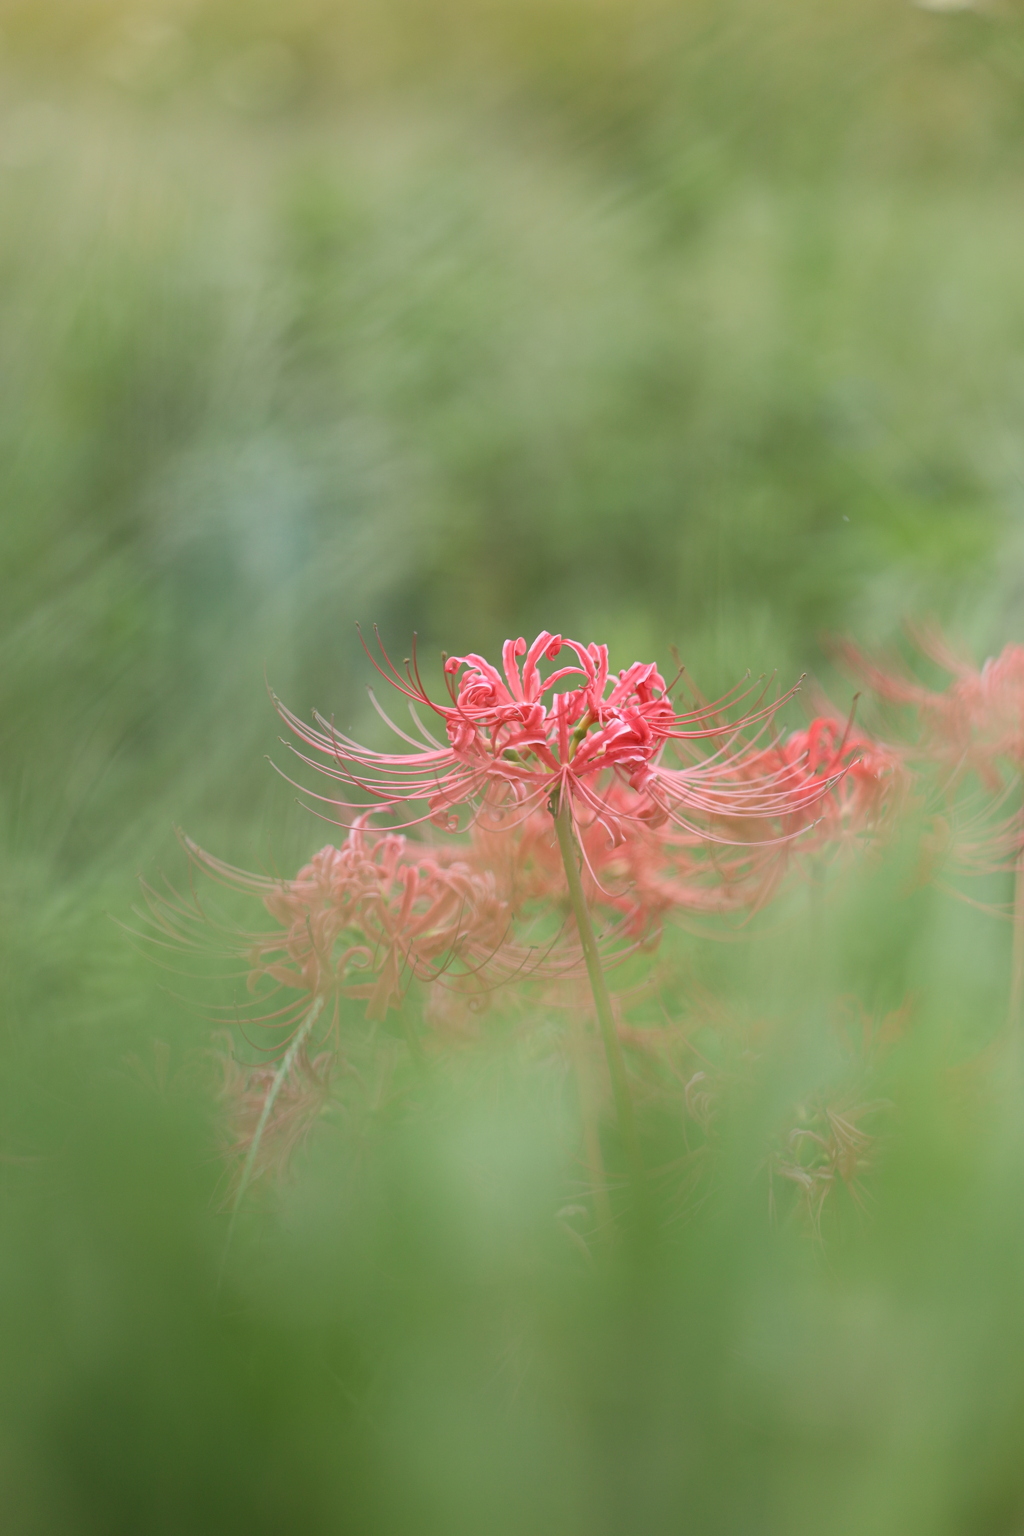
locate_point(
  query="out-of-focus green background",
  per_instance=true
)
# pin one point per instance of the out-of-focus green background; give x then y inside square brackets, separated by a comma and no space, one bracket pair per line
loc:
[696,323]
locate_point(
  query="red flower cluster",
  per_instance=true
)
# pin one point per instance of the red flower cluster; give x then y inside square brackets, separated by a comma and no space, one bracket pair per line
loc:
[709,834]
[590,807]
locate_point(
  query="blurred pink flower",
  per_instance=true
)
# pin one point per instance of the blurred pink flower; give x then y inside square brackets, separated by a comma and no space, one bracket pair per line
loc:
[358,921]
[867,779]
[976,723]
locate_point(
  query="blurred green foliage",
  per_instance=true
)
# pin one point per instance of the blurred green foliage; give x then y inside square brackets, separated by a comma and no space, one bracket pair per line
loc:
[656,323]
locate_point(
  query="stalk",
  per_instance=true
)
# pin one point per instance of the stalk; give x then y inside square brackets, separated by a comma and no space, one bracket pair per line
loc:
[591,1139]
[280,1077]
[599,987]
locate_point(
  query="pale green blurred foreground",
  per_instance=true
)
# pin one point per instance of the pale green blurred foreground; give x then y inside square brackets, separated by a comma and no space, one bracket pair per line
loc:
[694,324]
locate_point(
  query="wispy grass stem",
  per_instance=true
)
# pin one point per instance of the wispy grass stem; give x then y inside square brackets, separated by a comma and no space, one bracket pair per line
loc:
[281,1076]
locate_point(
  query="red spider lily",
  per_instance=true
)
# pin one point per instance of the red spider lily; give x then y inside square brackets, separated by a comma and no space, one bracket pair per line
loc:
[867,779]
[840,785]
[979,843]
[387,906]
[514,741]
[977,723]
[378,907]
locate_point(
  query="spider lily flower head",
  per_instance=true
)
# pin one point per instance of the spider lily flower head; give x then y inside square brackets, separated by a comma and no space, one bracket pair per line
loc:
[976,723]
[605,722]
[360,920]
[833,785]
[407,911]
[973,726]
[515,737]
[867,779]
[985,715]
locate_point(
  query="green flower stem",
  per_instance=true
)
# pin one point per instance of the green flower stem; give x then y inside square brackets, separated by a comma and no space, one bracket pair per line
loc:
[599,987]
[591,1140]
[281,1076]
